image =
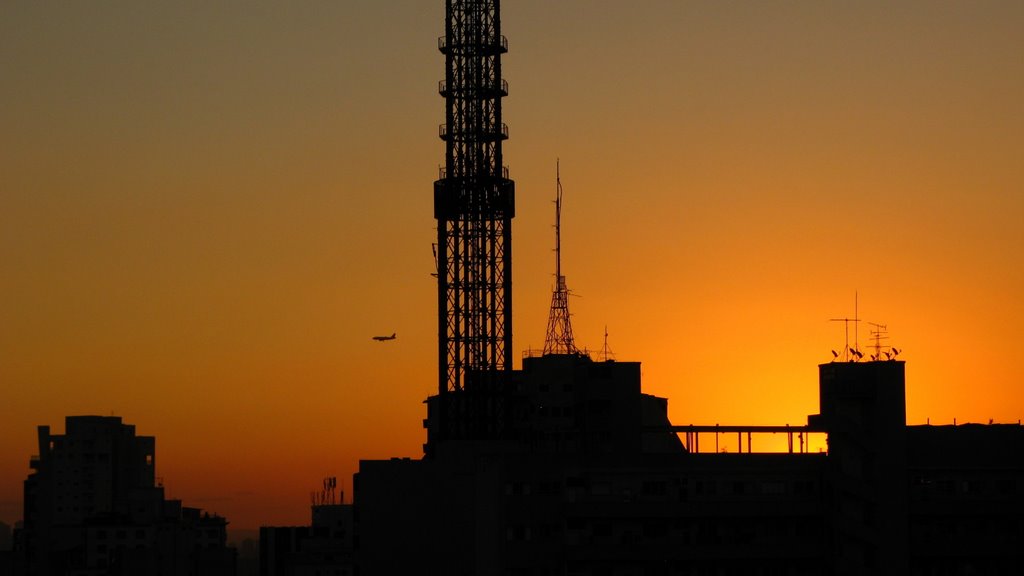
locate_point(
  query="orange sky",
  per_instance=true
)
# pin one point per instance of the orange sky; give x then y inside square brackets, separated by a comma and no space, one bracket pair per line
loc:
[207,210]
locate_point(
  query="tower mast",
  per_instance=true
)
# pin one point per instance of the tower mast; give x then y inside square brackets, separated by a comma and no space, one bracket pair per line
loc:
[559,338]
[474,203]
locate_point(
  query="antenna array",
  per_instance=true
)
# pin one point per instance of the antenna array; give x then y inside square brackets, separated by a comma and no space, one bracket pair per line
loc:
[327,495]
[879,333]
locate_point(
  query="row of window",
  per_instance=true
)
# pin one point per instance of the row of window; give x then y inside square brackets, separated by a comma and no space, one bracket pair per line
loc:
[119,534]
[926,485]
[679,489]
[750,531]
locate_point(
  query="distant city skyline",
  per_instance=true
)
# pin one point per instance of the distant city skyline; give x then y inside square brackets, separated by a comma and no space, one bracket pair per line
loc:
[206,212]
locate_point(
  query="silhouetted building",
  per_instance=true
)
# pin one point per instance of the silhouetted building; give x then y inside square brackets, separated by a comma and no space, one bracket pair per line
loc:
[966,499]
[584,475]
[6,557]
[249,557]
[5,536]
[92,506]
[324,548]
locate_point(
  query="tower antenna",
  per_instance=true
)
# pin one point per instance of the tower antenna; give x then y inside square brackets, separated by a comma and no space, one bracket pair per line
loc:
[606,352]
[474,203]
[559,339]
[846,325]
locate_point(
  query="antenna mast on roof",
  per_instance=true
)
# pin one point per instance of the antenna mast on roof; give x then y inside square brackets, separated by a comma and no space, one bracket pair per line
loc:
[326,496]
[559,339]
[606,352]
[878,333]
[846,321]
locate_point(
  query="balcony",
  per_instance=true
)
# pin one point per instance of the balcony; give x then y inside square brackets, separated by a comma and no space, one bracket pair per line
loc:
[499,89]
[442,172]
[488,46]
[488,134]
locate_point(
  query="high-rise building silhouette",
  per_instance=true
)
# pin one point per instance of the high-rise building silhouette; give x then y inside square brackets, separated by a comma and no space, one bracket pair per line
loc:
[592,479]
[93,506]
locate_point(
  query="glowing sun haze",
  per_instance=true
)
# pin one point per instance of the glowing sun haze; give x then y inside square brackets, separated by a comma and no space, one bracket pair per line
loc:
[208,209]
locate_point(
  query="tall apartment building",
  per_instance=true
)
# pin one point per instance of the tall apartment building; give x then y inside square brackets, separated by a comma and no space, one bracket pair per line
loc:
[93,506]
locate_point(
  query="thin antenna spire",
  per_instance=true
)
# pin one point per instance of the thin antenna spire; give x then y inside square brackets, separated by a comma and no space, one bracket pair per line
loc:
[846,344]
[559,339]
[606,352]
[558,220]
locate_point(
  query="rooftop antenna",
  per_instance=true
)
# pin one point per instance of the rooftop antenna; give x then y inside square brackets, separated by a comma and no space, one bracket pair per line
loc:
[606,353]
[878,333]
[846,322]
[559,339]
[856,326]
[326,496]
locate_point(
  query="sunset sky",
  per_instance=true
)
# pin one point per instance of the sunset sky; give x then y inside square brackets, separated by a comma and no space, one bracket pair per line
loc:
[207,209]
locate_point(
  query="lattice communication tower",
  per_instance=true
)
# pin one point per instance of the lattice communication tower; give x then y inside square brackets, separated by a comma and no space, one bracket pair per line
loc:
[474,202]
[559,338]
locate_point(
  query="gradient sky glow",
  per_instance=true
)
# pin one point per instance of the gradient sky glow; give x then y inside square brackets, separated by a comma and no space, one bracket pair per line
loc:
[208,208]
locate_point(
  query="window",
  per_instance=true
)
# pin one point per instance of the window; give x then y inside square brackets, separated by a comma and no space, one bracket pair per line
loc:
[655,487]
[1007,486]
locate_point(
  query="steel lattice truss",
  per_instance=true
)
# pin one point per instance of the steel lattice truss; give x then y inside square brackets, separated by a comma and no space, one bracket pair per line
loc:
[474,201]
[559,338]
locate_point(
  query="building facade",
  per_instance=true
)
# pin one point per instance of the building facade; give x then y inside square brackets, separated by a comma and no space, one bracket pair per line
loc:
[590,478]
[324,548]
[93,506]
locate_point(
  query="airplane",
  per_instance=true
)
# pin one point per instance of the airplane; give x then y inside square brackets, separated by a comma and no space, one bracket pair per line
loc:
[383,338]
